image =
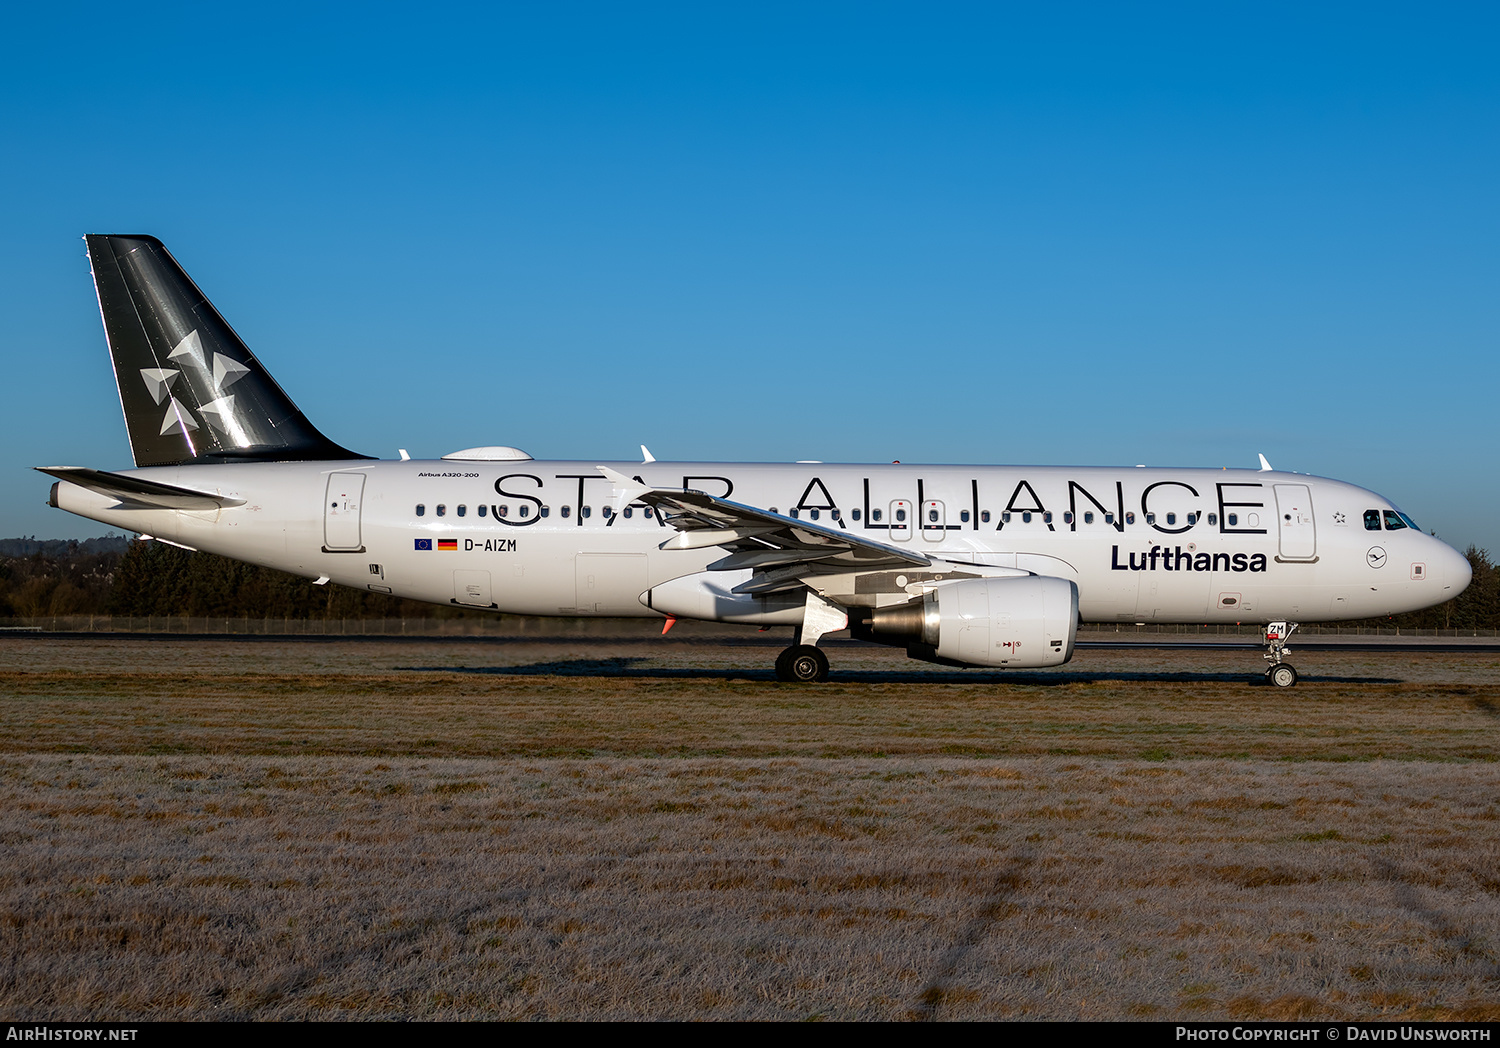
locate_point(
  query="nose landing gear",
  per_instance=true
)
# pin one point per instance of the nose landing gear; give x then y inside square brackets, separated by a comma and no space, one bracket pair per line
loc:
[1280,674]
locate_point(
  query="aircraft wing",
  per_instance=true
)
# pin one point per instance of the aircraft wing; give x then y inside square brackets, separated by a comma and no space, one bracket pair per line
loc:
[781,550]
[138,491]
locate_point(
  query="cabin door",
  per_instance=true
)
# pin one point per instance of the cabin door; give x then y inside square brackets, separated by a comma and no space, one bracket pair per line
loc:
[1294,519]
[341,502]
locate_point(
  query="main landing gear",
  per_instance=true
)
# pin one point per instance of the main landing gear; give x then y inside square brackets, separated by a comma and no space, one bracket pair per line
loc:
[803,664]
[1279,673]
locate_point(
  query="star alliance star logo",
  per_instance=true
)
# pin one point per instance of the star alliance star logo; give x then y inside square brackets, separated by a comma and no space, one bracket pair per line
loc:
[1338,518]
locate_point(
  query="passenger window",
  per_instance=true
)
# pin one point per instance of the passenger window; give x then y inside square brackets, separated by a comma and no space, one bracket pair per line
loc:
[1171,519]
[1047,517]
[646,512]
[587,511]
[421,510]
[1068,517]
[1005,517]
[932,516]
[1372,520]
[900,515]
[1393,521]
[875,515]
[984,517]
[545,511]
[483,509]
[565,512]
[503,510]
[462,509]
[813,514]
[629,512]
[793,512]
[963,515]
[607,511]
[773,509]
[853,513]
[1025,518]
[1088,518]
[1109,518]
[523,510]
[1192,519]
[442,510]
[1213,518]
[1130,518]
[1234,520]
[1150,518]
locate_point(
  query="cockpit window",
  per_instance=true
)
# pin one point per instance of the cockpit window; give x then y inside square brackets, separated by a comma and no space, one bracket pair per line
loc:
[1409,522]
[1393,521]
[1372,520]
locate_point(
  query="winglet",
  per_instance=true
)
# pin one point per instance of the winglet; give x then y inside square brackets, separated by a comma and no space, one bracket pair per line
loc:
[629,490]
[1265,467]
[646,457]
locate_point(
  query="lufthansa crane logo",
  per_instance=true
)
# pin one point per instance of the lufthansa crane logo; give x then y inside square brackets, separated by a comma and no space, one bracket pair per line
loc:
[1375,557]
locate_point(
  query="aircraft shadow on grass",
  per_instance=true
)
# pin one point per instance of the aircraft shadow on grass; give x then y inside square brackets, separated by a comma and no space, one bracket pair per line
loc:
[641,668]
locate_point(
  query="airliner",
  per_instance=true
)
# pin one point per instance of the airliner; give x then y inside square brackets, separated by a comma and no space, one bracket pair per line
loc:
[989,566]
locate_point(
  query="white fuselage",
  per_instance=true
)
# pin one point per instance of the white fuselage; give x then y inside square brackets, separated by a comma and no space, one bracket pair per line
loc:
[549,538]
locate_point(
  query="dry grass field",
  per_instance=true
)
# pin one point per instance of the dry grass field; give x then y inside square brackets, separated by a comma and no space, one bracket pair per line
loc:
[583,828]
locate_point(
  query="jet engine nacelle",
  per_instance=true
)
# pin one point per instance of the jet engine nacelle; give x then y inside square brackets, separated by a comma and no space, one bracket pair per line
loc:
[1019,623]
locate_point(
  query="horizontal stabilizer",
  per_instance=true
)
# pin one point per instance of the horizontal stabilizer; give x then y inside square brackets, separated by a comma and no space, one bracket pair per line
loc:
[141,492]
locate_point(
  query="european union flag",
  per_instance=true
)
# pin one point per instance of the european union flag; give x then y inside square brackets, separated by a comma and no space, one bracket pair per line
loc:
[424,543]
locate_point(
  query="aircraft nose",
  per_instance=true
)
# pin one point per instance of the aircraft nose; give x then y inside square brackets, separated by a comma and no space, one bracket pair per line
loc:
[1456,571]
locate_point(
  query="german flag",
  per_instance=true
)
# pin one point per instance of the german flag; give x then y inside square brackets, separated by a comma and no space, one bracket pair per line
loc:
[449,544]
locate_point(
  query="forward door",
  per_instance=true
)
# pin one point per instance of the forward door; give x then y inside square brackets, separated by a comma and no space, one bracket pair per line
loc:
[1294,520]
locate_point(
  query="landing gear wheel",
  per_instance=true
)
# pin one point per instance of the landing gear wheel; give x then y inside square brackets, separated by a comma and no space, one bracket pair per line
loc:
[802,664]
[1282,675]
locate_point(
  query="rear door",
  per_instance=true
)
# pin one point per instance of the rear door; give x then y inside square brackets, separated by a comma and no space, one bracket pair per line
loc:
[341,510]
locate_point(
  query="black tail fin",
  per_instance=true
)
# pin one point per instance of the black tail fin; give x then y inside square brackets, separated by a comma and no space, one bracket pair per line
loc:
[190,389]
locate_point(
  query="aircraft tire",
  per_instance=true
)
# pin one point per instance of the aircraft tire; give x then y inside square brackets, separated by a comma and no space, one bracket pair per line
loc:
[783,672]
[802,664]
[1282,675]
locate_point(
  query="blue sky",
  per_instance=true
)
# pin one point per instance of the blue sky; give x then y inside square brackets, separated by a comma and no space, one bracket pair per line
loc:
[1070,234]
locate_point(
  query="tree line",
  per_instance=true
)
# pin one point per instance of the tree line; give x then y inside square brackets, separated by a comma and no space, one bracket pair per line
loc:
[124,577]
[153,578]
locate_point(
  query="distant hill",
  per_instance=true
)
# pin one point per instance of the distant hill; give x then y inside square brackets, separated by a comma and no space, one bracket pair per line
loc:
[63,547]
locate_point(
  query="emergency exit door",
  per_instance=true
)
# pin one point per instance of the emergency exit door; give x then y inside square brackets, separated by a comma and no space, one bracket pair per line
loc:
[934,521]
